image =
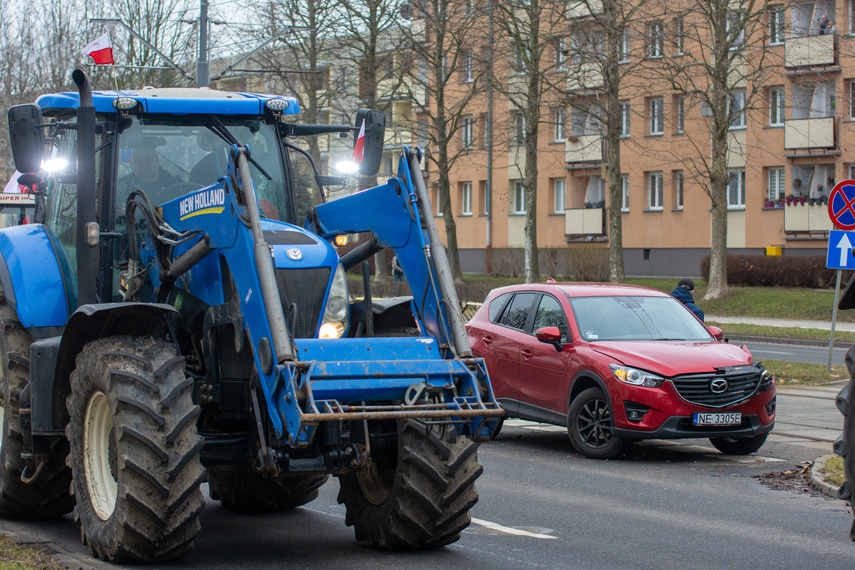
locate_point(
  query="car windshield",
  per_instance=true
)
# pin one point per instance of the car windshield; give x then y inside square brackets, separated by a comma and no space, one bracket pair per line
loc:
[636,318]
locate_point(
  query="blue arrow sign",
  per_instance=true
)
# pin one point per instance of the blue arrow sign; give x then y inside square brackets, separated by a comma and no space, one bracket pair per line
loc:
[840,245]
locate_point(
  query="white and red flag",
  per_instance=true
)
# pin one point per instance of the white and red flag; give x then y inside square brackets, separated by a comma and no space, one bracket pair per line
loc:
[360,145]
[101,50]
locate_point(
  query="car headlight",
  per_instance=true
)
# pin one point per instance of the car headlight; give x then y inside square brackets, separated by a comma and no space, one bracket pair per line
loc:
[336,314]
[635,376]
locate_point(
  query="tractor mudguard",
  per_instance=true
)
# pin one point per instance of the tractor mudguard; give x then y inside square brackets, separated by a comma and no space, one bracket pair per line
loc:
[36,277]
[50,378]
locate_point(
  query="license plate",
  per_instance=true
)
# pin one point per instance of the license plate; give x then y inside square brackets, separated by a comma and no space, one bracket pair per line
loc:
[716,418]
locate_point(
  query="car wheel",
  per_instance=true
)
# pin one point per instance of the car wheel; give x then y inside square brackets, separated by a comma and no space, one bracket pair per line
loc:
[738,445]
[498,428]
[590,426]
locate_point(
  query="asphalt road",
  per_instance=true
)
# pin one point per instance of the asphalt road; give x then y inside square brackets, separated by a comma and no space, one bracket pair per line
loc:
[667,504]
[797,353]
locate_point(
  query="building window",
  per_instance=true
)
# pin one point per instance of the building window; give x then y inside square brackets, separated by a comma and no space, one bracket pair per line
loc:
[482,196]
[736,189]
[559,194]
[852,99]
[777,184]
[654,191]
[624,193]
[469,7]
[655,39]
[679,113]
[736,29]
[561,54]
[679,35]
[585,120]
[519,197]
[467,66]
[776,25]
[776,106]
[466,198]
[559,118]
[624,119]
[518,135]
[468,132]
[657,116]
[678,189]
[624,46]
[736,109]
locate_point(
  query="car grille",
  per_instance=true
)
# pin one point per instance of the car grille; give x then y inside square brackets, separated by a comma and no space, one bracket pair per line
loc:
[742,383]
[305,288]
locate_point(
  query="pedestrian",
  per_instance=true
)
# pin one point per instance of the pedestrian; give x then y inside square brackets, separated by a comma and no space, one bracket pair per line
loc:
[684,293]
[397,273]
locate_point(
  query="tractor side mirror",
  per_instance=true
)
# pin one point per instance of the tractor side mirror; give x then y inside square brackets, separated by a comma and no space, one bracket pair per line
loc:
[27,137]
[372,139]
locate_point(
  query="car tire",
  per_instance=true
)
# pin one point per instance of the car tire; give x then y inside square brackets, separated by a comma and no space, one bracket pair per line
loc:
[498,429]
[738,445]
[591,428]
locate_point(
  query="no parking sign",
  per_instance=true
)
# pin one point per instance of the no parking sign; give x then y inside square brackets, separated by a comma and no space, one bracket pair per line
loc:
[841,205]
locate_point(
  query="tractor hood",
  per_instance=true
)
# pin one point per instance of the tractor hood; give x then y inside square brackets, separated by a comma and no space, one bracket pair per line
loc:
[671,358]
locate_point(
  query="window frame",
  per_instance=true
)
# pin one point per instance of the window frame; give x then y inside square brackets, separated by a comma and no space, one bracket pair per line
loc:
[655,197]
[559,206]
[776,29]
[779,186]
[776,106]
[624,46]
[740,188]
[519,198]
[518,129]
[656,40]
[624,193]
[467,133]
[465,198]
[625,119]
[657,116]
[467,66]
[559,132]
[679,189]
[739,120]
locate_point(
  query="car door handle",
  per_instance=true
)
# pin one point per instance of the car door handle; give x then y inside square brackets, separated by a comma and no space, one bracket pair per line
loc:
[526,353]
[487,340]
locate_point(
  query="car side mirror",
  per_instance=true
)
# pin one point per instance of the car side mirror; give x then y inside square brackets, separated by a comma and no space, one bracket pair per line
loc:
[550,335]
[372,139]
[27,137]
[716,332]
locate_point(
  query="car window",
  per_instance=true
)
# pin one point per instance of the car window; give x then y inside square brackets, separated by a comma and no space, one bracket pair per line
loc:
[516,314]
[496,306]
[636,318]
[550,314]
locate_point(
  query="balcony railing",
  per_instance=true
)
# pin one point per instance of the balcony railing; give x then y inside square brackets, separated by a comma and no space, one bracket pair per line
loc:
[806,218]
[809,51]
[586,148]
[584,221]
[809,133]
[584,76]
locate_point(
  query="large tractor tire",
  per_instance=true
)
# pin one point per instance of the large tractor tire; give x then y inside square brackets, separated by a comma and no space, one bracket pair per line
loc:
[47,495]
[845,444]
[134,450]
[424,501]
[240,489]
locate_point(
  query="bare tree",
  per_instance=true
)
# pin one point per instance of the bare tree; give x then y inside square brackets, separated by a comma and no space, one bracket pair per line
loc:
[446,79]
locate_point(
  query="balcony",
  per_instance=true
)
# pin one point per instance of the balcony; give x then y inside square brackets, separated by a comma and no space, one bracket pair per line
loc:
[806,219]
[810,51]
[809,133]
[581,8]
[586,148]
[585,222]
[584,76]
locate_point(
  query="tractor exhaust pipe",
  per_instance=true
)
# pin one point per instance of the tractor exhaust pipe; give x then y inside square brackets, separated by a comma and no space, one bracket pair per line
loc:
[87,257]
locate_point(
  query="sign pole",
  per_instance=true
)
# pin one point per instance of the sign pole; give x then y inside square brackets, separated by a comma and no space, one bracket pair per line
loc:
[833,320]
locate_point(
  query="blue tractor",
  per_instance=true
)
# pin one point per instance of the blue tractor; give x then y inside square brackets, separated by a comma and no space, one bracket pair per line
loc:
[179,314]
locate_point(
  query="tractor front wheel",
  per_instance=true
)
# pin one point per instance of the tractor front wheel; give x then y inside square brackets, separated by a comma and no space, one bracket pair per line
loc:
[134,450]
[421,502]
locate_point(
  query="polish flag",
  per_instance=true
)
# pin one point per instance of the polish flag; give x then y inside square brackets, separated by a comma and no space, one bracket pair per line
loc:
[360,145]
[101,50]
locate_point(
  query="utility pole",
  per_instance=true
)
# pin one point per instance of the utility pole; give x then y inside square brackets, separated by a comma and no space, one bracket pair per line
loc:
[203,71]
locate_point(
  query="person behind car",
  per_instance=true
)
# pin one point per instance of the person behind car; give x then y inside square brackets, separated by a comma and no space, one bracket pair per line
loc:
[685,294]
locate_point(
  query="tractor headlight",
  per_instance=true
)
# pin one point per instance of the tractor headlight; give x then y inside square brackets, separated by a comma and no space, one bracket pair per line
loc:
[336,315]
[636,377]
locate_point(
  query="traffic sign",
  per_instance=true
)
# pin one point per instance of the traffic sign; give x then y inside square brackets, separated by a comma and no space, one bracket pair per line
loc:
[841,205]
[840,246]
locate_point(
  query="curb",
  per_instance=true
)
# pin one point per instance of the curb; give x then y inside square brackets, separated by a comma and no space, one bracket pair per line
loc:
[816,478]
[776,340]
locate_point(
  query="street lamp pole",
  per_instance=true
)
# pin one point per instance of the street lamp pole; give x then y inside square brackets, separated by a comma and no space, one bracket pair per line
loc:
[203,70]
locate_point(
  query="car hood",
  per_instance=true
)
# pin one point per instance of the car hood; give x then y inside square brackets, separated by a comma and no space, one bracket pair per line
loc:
[670,358]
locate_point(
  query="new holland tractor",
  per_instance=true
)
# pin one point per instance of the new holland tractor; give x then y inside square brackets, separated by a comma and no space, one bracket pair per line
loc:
[180,315]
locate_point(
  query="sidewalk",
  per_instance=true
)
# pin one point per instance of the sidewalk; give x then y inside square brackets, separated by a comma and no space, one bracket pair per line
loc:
[822,325]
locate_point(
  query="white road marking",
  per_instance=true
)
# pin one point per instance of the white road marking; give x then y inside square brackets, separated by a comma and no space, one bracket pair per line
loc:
[509,530]
[773,352]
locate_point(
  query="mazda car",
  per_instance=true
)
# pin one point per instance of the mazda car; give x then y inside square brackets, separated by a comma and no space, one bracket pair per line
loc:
[617,364]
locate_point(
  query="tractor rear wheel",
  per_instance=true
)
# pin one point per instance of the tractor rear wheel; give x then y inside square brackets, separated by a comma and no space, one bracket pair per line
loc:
[845,444]
[243,490]
[48,494]
[134,450]
[422,502]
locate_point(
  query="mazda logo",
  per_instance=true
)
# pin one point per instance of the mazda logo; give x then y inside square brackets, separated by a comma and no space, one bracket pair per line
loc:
[718,386]
[294,253]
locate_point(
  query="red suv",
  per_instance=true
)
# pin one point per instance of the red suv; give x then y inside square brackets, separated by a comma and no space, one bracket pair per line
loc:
[619,363]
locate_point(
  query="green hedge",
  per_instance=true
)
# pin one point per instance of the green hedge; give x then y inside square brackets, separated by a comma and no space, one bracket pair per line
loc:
[776,271]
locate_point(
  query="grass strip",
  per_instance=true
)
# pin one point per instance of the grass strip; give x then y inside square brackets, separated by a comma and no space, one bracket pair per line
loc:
[834,471]
[14,557]
[795,333]
[795,373]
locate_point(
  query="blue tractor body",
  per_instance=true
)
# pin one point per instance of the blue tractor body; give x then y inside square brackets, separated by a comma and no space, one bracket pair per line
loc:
[217,291]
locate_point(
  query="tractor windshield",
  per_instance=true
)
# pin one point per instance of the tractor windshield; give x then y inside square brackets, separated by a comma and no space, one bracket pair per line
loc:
[170,156]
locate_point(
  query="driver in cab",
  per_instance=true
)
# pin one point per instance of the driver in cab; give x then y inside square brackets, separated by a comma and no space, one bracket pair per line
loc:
[146,174]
